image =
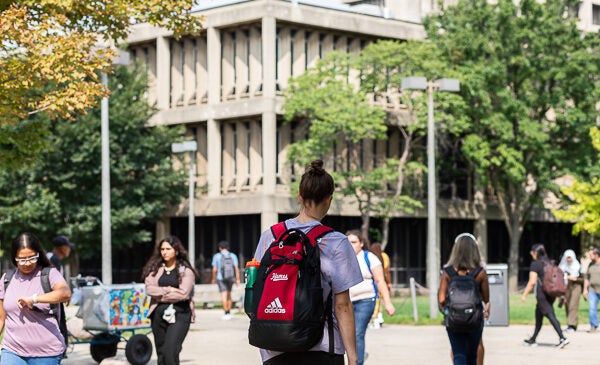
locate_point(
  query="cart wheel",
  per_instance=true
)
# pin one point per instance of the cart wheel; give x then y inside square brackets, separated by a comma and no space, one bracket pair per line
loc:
[138,349]
[104,345]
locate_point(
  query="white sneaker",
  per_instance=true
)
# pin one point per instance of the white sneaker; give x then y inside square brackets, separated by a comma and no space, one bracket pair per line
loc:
[226,317]
[563,342]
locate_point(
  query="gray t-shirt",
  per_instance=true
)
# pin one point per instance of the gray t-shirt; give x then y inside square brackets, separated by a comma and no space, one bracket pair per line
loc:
[338,267]
[593,275]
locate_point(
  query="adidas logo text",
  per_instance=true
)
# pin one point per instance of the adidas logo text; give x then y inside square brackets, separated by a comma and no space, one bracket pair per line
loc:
[275,307]
[279,277]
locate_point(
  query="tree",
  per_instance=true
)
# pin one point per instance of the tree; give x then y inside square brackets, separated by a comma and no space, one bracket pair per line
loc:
[62,193]
[583,197]
[338,117]
[382,66]
[529,80]
[344,115]
[50,60]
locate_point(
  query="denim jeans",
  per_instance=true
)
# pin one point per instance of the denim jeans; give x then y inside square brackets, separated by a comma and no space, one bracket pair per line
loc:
[363,310]
[464,346]
[593,298]
[10,358]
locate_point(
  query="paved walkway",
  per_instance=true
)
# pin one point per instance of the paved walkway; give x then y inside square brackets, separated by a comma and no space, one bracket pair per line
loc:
[213,341]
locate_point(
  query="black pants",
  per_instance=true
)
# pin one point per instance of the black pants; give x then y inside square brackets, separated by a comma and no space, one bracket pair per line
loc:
[168,337]
[539,317]
[308,357]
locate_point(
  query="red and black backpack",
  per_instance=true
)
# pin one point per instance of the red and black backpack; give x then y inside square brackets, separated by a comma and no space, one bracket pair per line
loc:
[288,310]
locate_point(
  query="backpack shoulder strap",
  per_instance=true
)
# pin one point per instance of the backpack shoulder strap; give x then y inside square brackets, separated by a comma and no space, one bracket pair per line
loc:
[475,271]
[317,232]
[450,271]
[45,277]
[8,277]
[366,253]
[278,229]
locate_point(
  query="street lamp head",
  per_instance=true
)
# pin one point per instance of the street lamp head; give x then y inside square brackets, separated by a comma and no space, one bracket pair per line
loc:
[414,83]
[452,85]
[122,58]
[186,146]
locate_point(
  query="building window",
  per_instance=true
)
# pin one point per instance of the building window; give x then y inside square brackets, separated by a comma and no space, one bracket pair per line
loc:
[595,14]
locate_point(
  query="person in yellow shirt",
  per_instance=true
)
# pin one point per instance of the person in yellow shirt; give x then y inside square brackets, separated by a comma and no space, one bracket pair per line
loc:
[376,248]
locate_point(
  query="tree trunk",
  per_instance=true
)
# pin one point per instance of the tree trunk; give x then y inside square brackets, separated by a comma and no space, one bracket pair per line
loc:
[366,221]
[385,233]
[513,259]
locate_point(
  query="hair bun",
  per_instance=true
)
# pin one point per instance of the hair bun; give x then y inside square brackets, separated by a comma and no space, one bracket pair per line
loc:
[316,167]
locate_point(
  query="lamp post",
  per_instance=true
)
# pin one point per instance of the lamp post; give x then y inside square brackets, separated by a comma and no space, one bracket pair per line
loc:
[191,147]
[122,59]
[433,261]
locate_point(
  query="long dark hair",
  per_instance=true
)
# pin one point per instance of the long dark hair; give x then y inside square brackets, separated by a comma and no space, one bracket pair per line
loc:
[156,261]
[465,253]
[375,248]
[30,241]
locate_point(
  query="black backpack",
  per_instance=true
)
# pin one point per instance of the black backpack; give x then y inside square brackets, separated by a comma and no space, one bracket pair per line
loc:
[57,310]
[288,313]
[464,307]
[227,267]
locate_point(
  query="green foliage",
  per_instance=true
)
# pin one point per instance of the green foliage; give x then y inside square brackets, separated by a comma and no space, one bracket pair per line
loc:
[62,193]
[529,80]
[584,199]
[50,60]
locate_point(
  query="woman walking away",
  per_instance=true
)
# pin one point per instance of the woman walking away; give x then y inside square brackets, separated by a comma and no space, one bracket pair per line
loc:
[365,294]
[169,279]
[339,271]
[31,335]
[572,269]
[464,267]
[544,305]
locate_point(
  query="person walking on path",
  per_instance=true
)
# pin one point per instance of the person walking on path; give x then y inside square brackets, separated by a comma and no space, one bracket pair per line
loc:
[169,279]
[571,267]
[591,288]
[364,294]
[61,249]
[225,273]
[465,259]
[544,305]
[339,272]
[31,330]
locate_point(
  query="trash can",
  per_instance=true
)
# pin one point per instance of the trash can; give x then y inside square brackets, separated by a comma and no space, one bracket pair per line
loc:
[498,279]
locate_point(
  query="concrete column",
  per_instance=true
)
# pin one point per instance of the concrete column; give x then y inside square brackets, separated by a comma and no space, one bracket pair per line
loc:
[213,171]
[213,40]
[213,130]
[163,74]
[269,122]
[268,55]
[269,151]
[163,228]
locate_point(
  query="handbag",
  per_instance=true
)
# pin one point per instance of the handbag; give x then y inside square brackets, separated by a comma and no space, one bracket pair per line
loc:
[169,314]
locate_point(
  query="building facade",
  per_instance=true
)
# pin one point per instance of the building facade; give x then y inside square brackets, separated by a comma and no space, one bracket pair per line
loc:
[225,86]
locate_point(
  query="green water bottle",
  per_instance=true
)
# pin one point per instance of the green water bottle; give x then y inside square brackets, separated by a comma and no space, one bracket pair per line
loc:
[250,275]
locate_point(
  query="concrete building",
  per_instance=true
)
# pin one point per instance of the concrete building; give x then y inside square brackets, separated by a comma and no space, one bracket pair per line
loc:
[226,87]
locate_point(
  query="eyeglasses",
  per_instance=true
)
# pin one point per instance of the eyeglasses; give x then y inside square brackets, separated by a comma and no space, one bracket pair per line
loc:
[30,260]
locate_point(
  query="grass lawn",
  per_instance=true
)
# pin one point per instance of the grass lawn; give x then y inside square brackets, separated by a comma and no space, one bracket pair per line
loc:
[519,313]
